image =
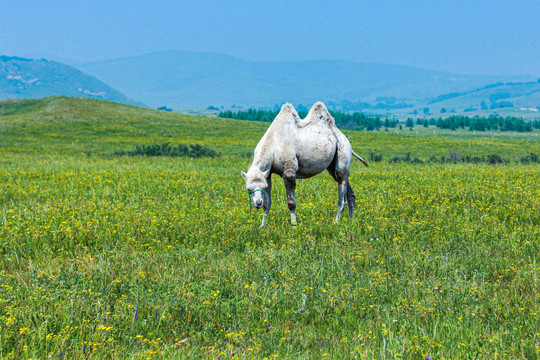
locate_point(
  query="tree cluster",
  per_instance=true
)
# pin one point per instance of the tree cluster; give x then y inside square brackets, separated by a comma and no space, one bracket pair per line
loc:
[353,121]
[493,122]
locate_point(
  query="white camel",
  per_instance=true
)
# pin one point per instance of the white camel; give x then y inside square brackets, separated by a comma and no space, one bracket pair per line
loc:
[299,149]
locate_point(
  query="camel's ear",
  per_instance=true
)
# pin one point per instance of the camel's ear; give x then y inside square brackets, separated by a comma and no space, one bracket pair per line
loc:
[266,174]
[244,175]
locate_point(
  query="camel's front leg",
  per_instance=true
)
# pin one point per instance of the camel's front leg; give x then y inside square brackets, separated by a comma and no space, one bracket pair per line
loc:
[267,201]
[289,177]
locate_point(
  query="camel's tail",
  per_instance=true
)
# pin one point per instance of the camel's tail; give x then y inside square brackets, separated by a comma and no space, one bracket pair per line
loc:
[359,158]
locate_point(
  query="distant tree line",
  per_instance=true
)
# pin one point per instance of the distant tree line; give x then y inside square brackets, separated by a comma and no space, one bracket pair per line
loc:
[352,121]
[493,122]
[360,121]
[250,114]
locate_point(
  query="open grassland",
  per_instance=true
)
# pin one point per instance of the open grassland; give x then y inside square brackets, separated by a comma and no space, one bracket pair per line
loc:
[463,133]
[136,257]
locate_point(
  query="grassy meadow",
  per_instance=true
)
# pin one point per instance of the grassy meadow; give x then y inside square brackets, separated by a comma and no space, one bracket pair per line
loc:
[117,257]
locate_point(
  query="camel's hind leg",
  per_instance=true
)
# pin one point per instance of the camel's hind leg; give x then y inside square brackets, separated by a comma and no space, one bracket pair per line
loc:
[345,193]
[339,170]
[351,199]
[342,181]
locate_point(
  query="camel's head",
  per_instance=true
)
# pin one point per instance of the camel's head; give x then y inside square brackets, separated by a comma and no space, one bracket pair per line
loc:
[256,184]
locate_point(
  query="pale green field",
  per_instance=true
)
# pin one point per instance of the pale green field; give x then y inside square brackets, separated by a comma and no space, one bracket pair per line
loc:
[133,257]
[461,133]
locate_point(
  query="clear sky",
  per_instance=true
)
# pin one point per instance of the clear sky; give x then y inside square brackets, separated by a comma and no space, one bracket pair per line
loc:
[467,36]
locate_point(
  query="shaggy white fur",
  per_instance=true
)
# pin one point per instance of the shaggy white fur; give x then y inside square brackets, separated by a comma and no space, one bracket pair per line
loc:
[297,148]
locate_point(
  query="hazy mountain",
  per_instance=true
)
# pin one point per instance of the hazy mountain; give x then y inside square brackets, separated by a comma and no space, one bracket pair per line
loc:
[525,95]
[183,79]
[29,78]
[50,56]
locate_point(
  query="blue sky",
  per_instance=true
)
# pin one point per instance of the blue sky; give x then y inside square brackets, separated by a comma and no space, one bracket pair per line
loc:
[478,37]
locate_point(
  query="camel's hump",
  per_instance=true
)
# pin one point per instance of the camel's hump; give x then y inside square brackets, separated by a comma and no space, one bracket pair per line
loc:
[287,113]
[318,114]
[287,107]
[319,106]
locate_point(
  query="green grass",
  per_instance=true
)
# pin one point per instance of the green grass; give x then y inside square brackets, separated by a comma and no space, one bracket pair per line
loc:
[465,133]
[137,257]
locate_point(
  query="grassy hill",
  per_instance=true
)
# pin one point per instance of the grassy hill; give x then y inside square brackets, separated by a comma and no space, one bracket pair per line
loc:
[105,256]
[29,78]
[62,125]
[521,96]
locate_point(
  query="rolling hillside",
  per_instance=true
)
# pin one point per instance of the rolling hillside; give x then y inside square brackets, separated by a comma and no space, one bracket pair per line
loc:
[28,78]
[77,126]
[183,79]
[522,95]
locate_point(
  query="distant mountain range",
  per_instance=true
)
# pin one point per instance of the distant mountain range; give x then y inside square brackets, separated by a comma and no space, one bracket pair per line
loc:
[29,78]
[183,79]
[194,80]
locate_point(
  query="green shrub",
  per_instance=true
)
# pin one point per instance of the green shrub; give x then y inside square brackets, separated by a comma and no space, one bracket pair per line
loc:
[532,158]
[166,149]
[399,158]
[495,159]
[375,157]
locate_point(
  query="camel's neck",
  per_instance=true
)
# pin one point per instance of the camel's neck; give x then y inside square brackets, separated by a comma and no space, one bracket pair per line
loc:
[263,155]
[263,161]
